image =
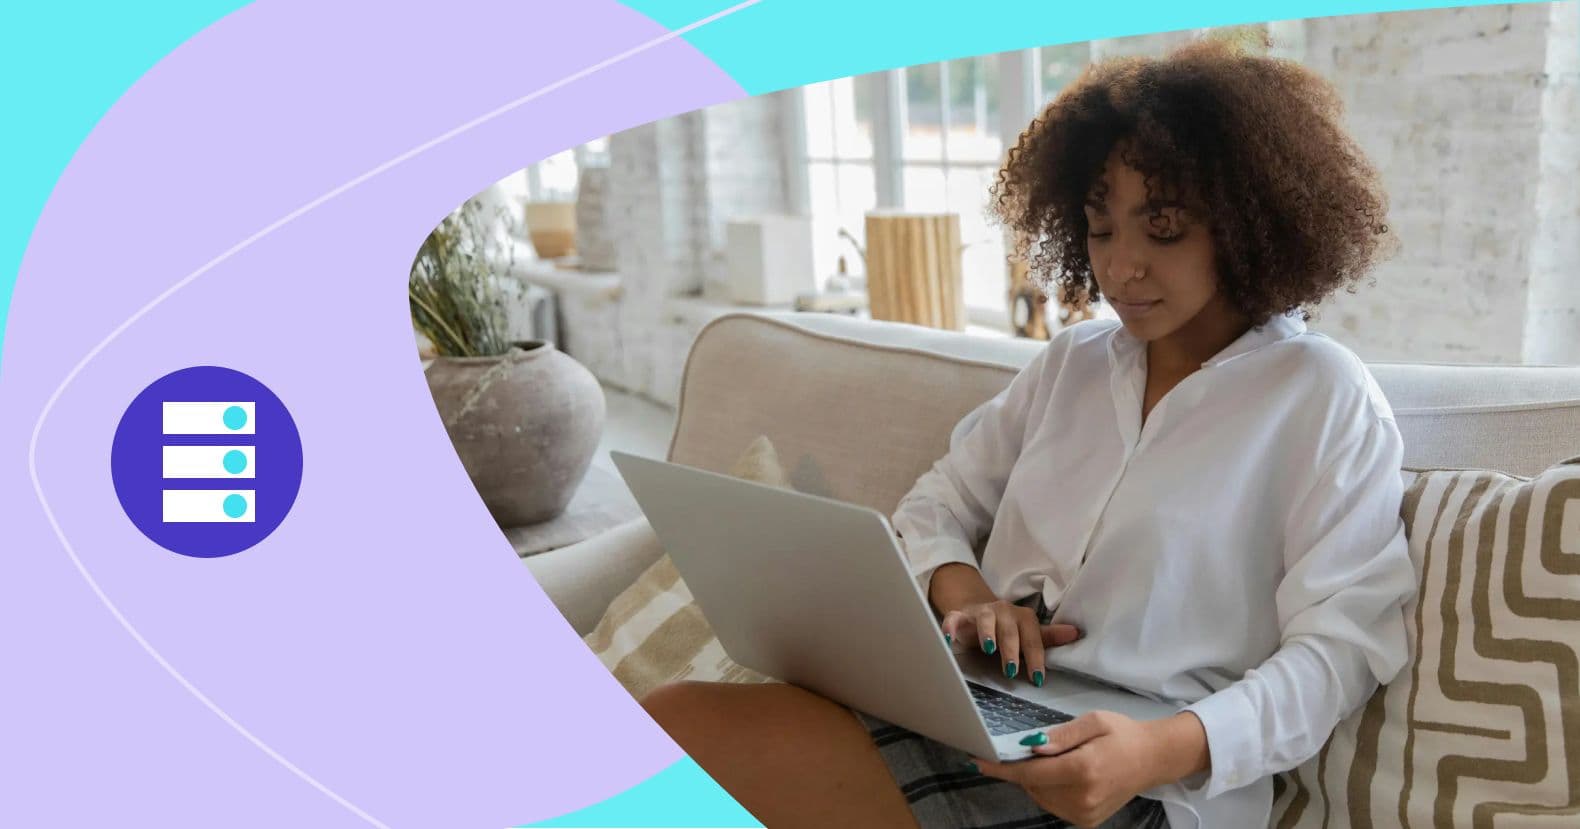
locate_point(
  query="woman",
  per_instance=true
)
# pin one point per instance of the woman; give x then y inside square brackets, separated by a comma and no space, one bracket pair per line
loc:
[1199,502]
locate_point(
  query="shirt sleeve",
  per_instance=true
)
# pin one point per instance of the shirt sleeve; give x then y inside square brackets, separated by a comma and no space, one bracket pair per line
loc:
[951,506]
[1340,605]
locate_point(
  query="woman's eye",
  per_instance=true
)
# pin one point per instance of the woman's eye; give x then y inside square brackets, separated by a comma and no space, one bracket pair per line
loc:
[1099,235]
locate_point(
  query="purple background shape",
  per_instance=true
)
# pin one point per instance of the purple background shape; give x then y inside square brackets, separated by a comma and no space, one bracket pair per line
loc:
[385,639]
[137,461]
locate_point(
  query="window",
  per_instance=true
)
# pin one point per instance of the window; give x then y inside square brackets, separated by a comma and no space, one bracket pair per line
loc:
[952,145]
[841,184]
[1057,66]
[555,178]
[926,138]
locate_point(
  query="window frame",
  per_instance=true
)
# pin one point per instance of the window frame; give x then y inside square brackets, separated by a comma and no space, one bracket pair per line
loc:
[1020,97]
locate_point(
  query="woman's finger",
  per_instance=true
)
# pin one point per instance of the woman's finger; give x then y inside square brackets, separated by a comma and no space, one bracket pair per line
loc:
[957,627]
[1032,646]
[987,627]
[1010,659]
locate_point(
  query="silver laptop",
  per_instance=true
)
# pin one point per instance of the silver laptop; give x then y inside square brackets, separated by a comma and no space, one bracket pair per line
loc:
[817,593]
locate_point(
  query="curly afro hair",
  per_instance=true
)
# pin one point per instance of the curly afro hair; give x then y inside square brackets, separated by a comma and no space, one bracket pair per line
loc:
[1251,145]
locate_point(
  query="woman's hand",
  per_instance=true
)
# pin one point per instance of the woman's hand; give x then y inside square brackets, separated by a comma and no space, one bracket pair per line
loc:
[1012,632]
[975,616]
[1101,760]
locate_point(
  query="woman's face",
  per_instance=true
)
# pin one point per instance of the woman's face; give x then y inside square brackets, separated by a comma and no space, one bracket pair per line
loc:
[1153,262]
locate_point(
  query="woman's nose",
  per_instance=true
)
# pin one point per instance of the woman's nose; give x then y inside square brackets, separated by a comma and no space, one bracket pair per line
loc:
[1124,262]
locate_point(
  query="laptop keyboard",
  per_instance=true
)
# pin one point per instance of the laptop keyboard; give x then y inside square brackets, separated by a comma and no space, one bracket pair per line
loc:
[1007,713]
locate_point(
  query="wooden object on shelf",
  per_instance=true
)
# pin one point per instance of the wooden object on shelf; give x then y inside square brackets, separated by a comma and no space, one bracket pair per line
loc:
[552,228]
[914,269]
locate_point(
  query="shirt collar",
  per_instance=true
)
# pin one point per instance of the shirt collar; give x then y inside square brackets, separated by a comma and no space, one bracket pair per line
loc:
[1124,346]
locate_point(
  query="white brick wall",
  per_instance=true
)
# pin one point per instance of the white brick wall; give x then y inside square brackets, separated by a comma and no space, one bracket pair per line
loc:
[1473,119]
[673,185]
[1552,332]
[741,178]
[1455,107]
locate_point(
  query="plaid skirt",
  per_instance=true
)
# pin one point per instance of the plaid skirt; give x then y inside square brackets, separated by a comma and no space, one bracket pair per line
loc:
[945,793]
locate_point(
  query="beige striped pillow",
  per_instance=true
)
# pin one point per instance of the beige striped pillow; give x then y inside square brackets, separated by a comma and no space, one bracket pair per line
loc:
[1482,728]
[654,632]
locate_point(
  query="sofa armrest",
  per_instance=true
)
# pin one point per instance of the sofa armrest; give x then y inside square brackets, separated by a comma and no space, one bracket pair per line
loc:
[584,578]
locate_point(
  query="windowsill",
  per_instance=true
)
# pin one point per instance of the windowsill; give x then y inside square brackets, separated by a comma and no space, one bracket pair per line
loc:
[545,274]
[696,311]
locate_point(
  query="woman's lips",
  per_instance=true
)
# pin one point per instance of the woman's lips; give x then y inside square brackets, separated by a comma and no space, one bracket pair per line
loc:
[1131,309]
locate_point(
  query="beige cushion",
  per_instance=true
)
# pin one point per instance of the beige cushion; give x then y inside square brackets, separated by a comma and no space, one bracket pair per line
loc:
[1482,727]
[653,632]
[833,389]
[851,421]
[582,578]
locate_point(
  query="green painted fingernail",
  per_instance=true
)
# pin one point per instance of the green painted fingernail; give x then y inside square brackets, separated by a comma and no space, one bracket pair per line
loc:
[949,640]
[974,767]
[1038,739]
[1009,670]
[1036,678]
[988,646]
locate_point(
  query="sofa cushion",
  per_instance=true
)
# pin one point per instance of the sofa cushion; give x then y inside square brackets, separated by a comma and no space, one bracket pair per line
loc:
[851,420]
[654,632]
[582,578]
[833,391]
[1484,720]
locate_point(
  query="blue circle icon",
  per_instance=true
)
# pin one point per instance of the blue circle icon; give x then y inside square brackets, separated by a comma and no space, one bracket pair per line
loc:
[185,461]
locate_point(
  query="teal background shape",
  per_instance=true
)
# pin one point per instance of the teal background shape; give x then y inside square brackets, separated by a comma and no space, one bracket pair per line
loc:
[778,44]
[681,795]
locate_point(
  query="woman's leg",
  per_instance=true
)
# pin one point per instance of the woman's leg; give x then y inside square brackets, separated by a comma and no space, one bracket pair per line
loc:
[791,757]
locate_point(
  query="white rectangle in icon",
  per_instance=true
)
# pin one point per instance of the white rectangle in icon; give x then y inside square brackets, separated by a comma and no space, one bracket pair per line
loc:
[209,462]
[209,506]
[209,418]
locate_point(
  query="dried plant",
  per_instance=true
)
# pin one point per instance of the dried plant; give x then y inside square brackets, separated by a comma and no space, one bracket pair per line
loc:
[455,301]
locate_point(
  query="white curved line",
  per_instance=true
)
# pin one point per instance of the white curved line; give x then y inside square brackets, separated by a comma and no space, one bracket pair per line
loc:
[32,448]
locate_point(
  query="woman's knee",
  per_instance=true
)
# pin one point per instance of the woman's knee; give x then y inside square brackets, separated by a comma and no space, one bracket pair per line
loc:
[672,699]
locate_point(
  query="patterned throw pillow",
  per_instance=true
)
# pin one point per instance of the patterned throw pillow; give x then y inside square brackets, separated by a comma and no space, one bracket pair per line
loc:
[654,633]
[1482,727]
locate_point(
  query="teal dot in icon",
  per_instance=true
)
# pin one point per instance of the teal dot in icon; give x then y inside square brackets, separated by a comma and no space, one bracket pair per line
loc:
[235,461]
[235,418]
[235,505]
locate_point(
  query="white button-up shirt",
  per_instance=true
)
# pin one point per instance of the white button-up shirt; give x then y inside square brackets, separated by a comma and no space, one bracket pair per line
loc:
[1241,553]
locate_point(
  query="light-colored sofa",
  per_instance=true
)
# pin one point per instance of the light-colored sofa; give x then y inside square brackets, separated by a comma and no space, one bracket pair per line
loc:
[858,410]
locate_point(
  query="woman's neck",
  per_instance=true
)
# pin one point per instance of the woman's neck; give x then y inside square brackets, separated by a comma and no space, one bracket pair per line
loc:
[1212,330]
